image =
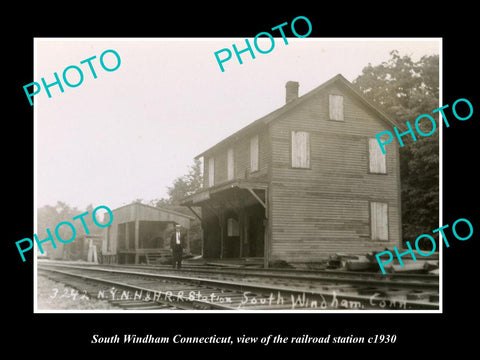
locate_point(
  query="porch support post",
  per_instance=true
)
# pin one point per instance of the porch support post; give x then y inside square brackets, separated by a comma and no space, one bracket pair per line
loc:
[241,225]
[266,232]
[137,239]
[221,220]
[188,241]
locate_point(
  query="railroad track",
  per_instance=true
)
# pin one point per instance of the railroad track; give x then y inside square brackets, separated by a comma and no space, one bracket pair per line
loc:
[412,280]
[335,276]
[149,288]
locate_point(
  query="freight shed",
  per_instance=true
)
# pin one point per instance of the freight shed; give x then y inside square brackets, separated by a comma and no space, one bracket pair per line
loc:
[140,233]
[303,182]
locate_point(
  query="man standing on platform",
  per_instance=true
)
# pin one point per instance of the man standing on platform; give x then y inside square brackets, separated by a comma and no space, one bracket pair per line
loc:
[176,246]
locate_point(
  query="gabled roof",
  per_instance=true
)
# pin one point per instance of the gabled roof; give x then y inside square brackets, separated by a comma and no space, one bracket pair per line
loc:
[293,104]
[152,208]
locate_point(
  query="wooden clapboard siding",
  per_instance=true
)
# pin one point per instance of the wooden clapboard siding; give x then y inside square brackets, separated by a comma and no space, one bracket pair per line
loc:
[244,169]
[242,157]
[220,167]
[241,160]
[379,220]
[323,206]
[254,153]
[326,209]
[211,171]
[264,157]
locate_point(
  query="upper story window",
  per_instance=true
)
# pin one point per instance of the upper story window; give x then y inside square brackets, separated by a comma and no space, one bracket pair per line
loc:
[230,164]
[254,153]
[211,171]
[335,105]
[377,160]
[300,149]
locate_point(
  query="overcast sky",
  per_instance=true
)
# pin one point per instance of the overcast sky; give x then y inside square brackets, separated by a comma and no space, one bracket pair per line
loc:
[129,133]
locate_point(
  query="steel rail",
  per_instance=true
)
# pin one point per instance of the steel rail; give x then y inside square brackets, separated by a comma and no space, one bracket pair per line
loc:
[345,277]
[257,270]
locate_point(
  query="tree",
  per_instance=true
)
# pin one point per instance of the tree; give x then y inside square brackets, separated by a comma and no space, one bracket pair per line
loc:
[405,90]
[159,202]
[182,187]
[48,217]
[186,185]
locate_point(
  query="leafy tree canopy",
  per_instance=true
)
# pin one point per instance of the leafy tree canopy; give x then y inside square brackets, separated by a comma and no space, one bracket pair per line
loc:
[183,186]
[406,89]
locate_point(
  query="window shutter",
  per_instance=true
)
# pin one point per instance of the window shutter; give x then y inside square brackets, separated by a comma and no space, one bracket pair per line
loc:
[377,158]
[336,107]
[379,220]
[211,171]
[254,153]
[300,149]
[230,165]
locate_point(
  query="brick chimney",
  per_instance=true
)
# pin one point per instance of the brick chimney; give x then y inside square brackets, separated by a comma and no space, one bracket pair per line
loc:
[292,91]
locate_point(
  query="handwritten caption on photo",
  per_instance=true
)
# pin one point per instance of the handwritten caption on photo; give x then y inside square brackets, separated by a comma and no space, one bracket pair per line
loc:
[294,302]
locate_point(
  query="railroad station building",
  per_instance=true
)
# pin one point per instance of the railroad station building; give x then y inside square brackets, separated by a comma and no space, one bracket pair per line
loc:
[303,182]
[139,233]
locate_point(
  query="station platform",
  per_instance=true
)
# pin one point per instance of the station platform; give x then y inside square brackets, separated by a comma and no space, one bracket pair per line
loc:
[250,262]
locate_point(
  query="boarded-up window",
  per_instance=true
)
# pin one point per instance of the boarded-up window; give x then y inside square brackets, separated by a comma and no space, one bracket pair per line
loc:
[377,159]
[232,227]
[211,172]
[379,220]
[254,153]
[336,107]
[230,165]
[109,240]
[300,149]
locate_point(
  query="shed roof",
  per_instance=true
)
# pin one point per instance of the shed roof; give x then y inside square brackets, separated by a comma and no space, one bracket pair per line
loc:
[293,104]
[205,193]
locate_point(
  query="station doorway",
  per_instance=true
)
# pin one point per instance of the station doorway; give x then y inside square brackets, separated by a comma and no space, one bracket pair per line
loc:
[235,234]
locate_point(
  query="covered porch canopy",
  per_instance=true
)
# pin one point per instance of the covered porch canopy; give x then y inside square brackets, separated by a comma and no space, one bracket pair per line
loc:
[234,219]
